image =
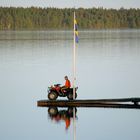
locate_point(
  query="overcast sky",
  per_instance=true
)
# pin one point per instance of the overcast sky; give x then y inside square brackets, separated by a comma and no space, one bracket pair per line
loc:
[72,3]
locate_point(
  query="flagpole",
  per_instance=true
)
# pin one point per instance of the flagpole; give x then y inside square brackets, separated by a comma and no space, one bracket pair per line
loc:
[74,59]
[74,77]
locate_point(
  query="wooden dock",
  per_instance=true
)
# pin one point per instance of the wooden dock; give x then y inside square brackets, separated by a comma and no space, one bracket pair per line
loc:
[132,103]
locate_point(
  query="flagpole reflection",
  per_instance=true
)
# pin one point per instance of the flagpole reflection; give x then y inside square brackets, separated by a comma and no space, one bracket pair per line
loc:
[74,124]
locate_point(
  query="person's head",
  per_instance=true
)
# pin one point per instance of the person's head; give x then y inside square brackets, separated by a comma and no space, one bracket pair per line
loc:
[66,77]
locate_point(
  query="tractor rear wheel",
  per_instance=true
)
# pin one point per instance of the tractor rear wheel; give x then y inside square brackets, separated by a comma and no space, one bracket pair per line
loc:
[70,96]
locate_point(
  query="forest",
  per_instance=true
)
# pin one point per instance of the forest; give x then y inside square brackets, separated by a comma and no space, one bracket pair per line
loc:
[34,18]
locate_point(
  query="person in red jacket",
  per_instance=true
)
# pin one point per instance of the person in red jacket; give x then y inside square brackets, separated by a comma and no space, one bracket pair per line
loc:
[67,84]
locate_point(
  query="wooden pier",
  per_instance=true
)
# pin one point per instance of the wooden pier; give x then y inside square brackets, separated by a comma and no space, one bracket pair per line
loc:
[132,103]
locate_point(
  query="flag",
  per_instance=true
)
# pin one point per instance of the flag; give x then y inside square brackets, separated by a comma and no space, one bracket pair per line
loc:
[76,31]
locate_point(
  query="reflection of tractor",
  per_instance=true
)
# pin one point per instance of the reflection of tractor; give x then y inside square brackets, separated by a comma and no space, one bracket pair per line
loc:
[56,90]
[53,111]
[62,115]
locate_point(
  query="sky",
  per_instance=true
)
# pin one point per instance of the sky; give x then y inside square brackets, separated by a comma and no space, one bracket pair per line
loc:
[72,3]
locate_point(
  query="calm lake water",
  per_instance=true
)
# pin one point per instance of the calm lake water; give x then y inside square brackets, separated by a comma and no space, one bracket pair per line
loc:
[108,66]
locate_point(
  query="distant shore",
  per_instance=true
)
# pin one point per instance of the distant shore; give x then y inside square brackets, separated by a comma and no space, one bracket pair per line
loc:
[34,18]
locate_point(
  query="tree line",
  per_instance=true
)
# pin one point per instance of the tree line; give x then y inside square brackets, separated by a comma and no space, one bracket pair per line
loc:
[34,18]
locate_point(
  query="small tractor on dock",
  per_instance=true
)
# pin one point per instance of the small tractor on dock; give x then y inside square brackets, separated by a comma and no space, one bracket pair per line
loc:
[56,91]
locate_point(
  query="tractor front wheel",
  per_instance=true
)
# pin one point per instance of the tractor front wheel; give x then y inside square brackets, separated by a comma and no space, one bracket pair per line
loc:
[52,95]
[52,111]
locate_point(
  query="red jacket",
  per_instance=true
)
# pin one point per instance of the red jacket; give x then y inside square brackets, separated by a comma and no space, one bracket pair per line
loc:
[67,84]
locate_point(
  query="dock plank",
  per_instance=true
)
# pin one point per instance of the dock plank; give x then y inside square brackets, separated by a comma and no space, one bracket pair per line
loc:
[112,103]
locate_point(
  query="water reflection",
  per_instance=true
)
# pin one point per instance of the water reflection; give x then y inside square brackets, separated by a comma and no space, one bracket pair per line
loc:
[107,61]
[65,115]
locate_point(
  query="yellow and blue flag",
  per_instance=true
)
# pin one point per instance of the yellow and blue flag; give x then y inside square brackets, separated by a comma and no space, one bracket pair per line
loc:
[76,31]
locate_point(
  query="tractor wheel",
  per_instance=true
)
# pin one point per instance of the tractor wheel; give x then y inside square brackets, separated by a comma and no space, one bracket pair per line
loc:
[70,96]
[52,95]
[52,111]
[71,110]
